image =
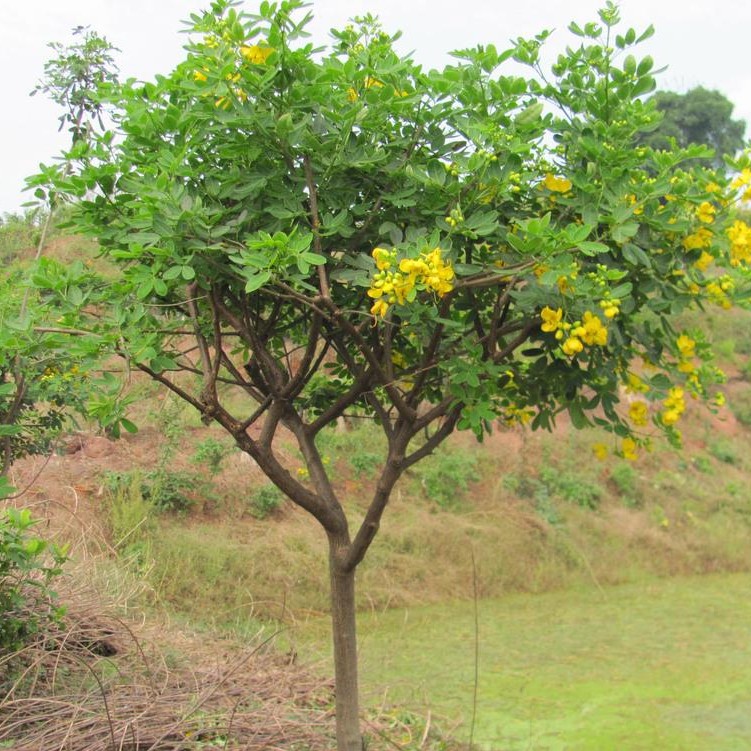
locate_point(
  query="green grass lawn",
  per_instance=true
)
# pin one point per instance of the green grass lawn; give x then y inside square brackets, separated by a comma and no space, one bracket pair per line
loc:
[661,666]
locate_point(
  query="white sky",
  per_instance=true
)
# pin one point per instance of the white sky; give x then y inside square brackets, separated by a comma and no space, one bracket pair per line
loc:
[703,43]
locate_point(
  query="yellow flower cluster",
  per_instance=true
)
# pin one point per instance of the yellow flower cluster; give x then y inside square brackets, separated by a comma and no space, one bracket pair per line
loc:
[705,212]
[717,291]
[628,449]
[610,307]
[556,184]
[698,240]
[704,261]
[390,286]
[743,181]
[638,412]
[589,331]
[687,349]
[256,54]
[740,243]
[675,406]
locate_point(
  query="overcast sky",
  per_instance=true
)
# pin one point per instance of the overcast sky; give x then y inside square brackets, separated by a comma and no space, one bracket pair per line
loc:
[703,43]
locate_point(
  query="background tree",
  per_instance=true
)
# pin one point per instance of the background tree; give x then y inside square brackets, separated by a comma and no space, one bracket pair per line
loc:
[43,377]
[698,117]
[305,234]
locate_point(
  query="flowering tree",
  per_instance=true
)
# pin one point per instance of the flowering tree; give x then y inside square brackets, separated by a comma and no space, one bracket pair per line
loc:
[326,232]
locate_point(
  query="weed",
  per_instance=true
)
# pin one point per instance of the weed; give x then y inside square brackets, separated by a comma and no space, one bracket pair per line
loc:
[446,474]
[571,487]
[164,490]
[723,450]
[265,500]
[624,477]
[365,462]
[741,407]
[25,575]
[702,464]
[211,453]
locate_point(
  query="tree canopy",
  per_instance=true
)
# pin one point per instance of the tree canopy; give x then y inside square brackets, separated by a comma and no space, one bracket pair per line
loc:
[698,117]
[305,233]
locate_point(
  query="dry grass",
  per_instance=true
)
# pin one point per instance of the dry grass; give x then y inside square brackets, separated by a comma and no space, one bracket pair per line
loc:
[98,681]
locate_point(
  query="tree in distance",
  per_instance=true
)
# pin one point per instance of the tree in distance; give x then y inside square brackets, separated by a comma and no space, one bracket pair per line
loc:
[698,117]
[306,233]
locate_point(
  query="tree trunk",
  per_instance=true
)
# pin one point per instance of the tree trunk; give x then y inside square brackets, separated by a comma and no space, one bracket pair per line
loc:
[348,736]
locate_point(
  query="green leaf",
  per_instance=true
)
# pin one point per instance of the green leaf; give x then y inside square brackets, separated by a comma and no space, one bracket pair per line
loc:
[591,248]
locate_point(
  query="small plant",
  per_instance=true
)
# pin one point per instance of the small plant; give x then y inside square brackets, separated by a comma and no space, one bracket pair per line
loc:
[130,517]
[25,574]
[211,453]
[702,464]
[165,490]
[741,407]
[265,500]
[446,475]
[365,462]
[624,477]
[724,451]
[571,487]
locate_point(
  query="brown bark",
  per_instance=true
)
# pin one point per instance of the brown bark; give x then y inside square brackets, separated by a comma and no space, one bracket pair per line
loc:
[348,737]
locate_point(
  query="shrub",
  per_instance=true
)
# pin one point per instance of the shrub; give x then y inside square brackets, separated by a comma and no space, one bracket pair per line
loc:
[571,487]
[446,474]
[165,490]
[265,500]
[623,476]
[724,451]
[741,407]
[26,571]
[211,453]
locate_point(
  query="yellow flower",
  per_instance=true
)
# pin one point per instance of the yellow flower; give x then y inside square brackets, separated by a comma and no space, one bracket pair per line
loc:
[712,187]
[199,75]
[628,449]
[551,319]
[638,412]
[572,346]
[594,331]
[379,308]
[704,261]
[556,184]
[256,54]
[739,235]
[686,346]
[705,212]
[352,95]
[675,406]
[383,258]
[742,180]
[702,238]
[600,450]
[719,399]
[610,308]
[635,384]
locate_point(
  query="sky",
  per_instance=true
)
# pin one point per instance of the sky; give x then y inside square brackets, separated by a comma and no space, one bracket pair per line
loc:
[702,43]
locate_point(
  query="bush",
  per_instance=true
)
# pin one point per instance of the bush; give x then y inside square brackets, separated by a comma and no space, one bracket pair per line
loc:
[211,453]
[25,574]
[571,487]
[446,474]
[165,490]
[265,500]
[624,476]
[724,451]
[741,407]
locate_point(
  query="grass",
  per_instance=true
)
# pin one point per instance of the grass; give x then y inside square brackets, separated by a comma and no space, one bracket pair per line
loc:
[649,665]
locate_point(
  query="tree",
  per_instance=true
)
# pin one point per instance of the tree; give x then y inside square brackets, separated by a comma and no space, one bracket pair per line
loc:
[311,233]
[699,116]
[42,378]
